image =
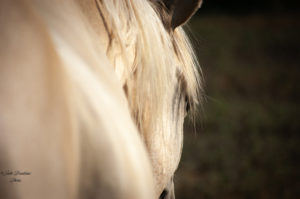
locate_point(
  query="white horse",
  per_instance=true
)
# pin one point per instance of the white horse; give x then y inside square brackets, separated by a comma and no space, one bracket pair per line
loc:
[93,94]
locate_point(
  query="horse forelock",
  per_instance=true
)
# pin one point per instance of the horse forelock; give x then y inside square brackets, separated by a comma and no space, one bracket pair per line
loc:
[157,54]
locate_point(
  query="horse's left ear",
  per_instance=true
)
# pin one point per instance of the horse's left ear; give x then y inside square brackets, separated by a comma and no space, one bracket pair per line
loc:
[181,11]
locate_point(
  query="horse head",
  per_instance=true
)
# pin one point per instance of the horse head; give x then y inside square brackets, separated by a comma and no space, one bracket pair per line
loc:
[158,70]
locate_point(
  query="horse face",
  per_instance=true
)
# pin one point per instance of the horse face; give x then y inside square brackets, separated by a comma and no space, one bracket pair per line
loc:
[163,135]
[166,146]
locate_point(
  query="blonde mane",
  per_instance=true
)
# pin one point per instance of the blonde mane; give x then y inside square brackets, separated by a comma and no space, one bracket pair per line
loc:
[156,53]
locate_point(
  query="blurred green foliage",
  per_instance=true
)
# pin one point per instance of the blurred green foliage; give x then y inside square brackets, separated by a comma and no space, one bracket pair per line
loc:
[245,144]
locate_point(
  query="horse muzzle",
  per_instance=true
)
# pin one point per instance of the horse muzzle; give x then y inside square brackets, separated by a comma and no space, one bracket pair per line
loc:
[168,192]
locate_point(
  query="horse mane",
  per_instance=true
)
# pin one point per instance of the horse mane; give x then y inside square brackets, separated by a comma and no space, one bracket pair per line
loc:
[157,52]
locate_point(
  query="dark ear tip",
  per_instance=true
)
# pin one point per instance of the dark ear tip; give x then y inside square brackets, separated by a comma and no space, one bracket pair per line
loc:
[183,11]
[178,12]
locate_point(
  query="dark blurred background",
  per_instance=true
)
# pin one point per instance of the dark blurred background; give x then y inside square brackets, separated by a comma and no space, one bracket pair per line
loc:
[245,143]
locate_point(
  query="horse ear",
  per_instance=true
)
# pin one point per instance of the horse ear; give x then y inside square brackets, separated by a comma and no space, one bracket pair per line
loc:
[181,11]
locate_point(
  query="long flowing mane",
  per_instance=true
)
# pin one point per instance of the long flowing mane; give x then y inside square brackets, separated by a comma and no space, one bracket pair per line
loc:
[138,23]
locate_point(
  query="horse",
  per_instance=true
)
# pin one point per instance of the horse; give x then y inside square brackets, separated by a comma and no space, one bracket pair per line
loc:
[93,94]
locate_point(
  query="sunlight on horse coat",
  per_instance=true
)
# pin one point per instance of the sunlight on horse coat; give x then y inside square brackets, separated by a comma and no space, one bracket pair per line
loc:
[64,115]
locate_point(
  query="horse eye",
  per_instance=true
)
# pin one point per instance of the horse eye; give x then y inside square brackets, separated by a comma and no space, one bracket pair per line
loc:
[187,104]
